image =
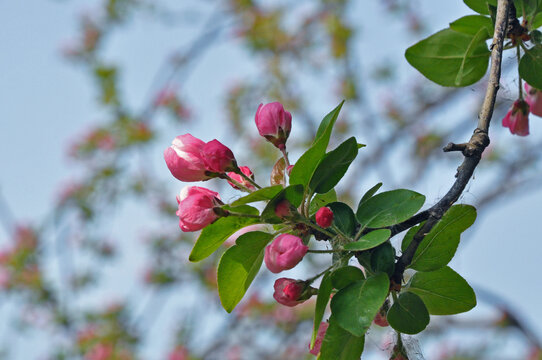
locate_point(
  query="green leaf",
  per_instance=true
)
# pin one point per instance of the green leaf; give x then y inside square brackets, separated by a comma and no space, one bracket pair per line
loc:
[369,194]
[450,58]
[346,275]
[440,244]
[333,166]
[355,306]
[320,200]
[537,21]
[262,194]
[343,217]
[444,291]
[369,241]
[383,259]
[238,267]
[529,7]
[471,24]
[307,163]
[324,291]
[339,344]
[530,66]
[214,235]
[292,193]
[536,36]
[389,208]
[241,209]
[480,6]
[408,314]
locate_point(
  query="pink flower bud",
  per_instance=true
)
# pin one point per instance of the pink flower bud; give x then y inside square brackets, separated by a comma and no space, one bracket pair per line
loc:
[196,208]
[534,99]
[319,338]
[217,157]
[285,252]
[288,291]
[517,118]
[240,179]
[274,123]
[184,159]
[324,217]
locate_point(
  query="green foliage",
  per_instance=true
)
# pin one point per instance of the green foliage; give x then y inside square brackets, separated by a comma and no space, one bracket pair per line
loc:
[355,306]
[369,194]
[408,314]
[266,193]
[324,291]
[389,208]
[215,234]
[370,240]
[238,267]
[333,166]
[343,218]
[471,24]
[530,66]
[339,344]
[451,58]
[307,163]
[444,291]
[480,6]
[346,275]
[440,244]
[292,193]
[383,258]
[320,200]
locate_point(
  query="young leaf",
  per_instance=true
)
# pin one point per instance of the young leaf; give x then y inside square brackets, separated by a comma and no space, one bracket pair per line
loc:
[369,194]
[389,208]
[471,24]
[346,275]
[277,173]
[324,291]
[343,217]
[262,194]
[238,267]
[339,344]
[440,244]
[215,234]
[450,58]
[408,314]
[355,306]
[304,167]
[320,200]
[444,292]
[293,193]
[370,240]
[333,166]
[530,66]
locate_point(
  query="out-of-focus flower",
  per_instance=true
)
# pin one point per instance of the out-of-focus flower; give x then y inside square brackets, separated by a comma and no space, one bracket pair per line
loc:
[218,157]
[100,351]
[184,159]
[274,123]
[324,217]
[246,170]
[319,338]
[285,252]
[284,209]
[196,208]
[179,353]
[534,99]
[517,118]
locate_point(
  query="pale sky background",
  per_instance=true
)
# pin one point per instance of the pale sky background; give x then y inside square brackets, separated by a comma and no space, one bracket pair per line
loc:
[45,102]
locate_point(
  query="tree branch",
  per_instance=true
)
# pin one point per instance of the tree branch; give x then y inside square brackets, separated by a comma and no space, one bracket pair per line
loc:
[471,150]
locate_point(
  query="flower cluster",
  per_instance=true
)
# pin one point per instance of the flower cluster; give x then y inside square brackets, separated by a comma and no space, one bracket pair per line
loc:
[517,118]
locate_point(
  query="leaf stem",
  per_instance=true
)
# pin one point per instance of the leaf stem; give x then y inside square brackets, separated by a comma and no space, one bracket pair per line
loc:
[518,54]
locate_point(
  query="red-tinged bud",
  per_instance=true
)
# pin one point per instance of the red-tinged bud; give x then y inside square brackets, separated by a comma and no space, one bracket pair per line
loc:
[284,209]
[218,158]
[241,180]
[324,217]
[274,123]
[319,338]
[533,97]
[517,118]
[197,208]
[290,292]
[284,253]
